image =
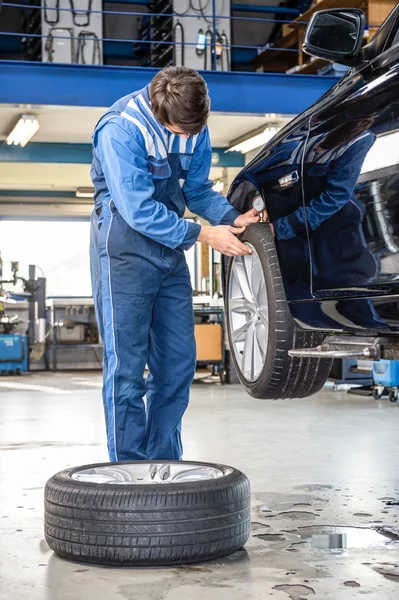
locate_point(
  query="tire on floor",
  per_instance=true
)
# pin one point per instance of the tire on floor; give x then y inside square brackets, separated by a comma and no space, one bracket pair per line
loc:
[93,514]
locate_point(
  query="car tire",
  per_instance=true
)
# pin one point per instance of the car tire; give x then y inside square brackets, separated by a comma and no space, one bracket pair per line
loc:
[280,375]
[171,520]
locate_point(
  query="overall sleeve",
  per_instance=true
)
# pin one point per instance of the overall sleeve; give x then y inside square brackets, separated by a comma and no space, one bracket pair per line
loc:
[129,182]
[340,183]
[201,199]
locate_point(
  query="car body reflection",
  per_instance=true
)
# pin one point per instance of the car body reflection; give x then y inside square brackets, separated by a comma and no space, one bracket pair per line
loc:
[330,181]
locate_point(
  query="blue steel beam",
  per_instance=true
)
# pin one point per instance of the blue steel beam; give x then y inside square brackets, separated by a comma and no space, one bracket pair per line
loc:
[47,153]
[84,85]
[236,7]
[7,194]
[81,154]
[276,10]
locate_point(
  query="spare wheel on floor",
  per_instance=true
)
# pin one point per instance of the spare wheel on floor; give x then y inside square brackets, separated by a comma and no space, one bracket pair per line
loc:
[147,513]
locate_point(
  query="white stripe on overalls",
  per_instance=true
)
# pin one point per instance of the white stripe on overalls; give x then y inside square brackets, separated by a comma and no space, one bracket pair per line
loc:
[113,330]
[149,142]
[141,102]
[149,130]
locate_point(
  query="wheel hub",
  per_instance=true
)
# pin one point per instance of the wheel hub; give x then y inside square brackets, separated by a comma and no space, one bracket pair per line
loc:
[147,473]
[248,314]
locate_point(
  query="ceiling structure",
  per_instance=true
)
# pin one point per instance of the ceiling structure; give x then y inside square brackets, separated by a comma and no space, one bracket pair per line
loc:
[74,125]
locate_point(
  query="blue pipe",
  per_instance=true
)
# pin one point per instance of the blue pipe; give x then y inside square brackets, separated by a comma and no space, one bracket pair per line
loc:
[138,2]
[276,10]
[214,61]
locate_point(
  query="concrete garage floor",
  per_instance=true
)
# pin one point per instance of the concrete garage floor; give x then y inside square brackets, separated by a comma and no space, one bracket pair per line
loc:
[331,461]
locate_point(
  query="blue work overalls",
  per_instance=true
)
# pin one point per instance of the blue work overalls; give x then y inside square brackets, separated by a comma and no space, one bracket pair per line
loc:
[144,178]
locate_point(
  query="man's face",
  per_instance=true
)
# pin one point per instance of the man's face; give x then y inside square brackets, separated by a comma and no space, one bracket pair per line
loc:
[177,131]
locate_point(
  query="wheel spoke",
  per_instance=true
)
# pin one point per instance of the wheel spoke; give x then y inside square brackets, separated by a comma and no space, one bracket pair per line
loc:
[261,341]
[241,276]
[248,353]
[238,335]
[241,305]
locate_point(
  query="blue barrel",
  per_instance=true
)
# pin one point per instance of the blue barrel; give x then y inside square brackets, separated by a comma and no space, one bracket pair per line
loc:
[13,353]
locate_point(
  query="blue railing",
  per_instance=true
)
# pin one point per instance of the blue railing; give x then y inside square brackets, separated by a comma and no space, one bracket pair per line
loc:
[150,47]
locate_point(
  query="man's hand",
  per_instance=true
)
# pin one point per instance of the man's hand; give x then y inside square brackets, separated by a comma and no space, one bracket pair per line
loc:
[223,239]
[252,216]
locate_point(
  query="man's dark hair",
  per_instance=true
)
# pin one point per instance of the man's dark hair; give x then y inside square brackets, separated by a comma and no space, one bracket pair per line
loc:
[179,96]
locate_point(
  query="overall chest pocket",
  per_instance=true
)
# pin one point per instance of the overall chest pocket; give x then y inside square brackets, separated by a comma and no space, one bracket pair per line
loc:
[159,169]
[185,161]
[318,170]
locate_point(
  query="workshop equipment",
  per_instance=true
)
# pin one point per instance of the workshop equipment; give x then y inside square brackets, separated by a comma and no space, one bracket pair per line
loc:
[71,31]
[209,337]
[34,323]
[201,43]
[351,372]
[259,205]
[14,353]
[386,379]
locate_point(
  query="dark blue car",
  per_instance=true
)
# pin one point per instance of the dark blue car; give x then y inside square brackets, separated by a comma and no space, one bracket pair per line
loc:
[323,279]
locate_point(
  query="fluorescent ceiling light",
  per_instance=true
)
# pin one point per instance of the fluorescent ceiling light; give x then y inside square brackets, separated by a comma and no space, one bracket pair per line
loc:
[218,186]
[23,131]
[84,193]
[254,139]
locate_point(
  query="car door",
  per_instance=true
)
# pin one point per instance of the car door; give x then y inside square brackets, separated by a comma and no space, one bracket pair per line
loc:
[351,186]
[275,173]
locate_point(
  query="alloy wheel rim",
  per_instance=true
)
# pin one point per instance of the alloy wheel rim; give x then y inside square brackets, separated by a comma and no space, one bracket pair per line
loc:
[148,473]
[248,314]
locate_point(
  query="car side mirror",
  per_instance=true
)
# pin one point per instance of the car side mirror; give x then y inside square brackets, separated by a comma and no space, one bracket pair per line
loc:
[335,34]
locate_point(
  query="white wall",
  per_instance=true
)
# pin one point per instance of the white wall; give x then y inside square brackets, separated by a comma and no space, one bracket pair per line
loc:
[59,248]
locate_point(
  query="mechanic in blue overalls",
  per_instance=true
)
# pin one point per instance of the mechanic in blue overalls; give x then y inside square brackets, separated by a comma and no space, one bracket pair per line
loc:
[151,161]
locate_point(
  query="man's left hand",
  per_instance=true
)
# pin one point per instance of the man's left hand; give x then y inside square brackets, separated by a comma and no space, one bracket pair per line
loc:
[252,216]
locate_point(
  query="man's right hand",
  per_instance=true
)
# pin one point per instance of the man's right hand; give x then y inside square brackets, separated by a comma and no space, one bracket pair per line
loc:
[223,238]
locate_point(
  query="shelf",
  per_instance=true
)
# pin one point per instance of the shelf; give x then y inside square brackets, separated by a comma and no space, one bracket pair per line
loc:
[311,67]
[292,35]
[302,20]
[73,301]
[279,60]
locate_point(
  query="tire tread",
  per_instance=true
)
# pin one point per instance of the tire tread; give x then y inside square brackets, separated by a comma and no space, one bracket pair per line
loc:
[284,376]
